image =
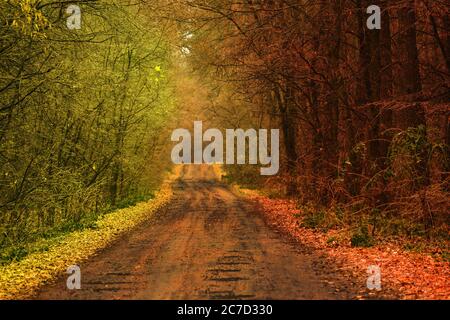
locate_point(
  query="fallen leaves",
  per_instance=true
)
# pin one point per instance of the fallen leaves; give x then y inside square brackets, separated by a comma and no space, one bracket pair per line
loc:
[19,280]
[413,275]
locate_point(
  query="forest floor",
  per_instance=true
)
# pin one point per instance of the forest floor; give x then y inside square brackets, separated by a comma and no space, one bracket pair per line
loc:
[203,239]
[405,274]
[210,242]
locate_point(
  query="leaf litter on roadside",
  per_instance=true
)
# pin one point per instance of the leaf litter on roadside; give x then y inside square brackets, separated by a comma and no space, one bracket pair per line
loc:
[413,275]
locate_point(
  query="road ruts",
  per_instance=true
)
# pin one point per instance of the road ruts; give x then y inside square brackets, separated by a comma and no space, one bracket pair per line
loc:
[208,243]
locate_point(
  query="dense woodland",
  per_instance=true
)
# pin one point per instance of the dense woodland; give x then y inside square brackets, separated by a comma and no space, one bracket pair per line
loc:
[81,113]
[364,114]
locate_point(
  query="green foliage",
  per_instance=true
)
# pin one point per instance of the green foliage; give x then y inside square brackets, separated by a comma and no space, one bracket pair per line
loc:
[48,258]
[38,242]
[333,241]
[82,115]
[409,154]
[247,176]
[412,142]
[362,238]
[321,218]
[314,219]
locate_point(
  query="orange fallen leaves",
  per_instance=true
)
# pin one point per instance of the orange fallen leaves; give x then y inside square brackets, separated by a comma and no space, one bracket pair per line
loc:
[412,275]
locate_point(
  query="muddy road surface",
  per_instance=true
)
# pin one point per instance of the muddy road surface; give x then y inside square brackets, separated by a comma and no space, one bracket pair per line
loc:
[208,243]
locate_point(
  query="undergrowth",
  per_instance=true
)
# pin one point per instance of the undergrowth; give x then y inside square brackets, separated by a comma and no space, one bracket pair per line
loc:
[40,241]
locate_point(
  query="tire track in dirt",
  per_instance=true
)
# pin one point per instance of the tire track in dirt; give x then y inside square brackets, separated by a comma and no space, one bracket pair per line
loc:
[208,243]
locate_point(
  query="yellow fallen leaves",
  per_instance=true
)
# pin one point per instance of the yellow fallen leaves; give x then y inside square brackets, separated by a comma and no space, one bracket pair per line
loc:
[20,280]
[218,171]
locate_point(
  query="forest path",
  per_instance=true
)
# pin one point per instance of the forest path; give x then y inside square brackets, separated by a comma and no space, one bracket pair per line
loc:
[208,243]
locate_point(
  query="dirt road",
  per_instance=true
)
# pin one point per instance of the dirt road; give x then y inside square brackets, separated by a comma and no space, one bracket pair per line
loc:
[209,243]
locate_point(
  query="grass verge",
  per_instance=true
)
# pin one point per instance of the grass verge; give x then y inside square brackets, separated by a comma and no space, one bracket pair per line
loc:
[21,279]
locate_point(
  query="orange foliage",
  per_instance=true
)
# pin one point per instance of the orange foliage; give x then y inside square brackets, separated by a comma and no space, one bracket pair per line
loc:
[413,275]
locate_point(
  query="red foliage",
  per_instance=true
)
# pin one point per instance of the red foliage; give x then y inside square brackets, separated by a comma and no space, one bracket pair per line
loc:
[413,275]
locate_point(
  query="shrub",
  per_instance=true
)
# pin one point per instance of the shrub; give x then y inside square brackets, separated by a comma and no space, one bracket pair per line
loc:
[362,238]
